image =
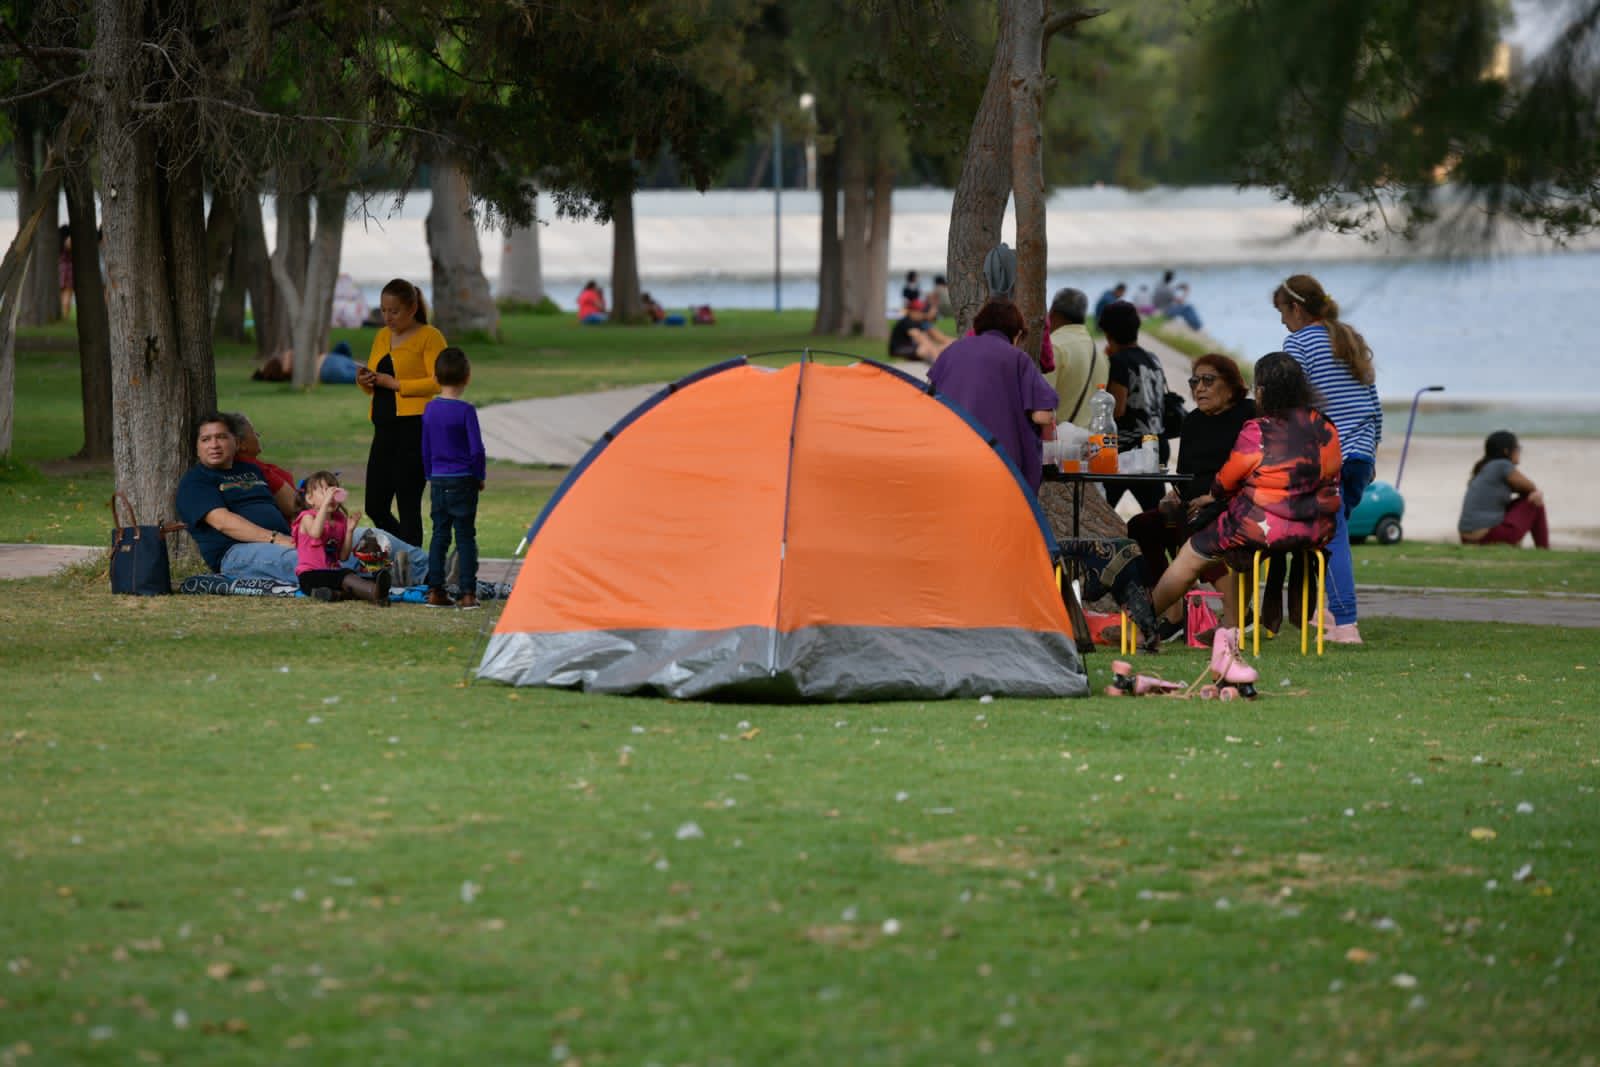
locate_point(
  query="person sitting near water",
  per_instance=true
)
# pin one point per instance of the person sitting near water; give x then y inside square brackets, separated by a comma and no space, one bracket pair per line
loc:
[938,297]
[235,521]
[1279,486]
[656,312]
[1109,297]
[591,304]
[1502,505]
[904,342]
[1172,300]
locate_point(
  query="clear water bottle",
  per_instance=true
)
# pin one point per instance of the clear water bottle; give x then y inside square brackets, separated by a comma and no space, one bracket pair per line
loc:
[1102,432]
[1149,454]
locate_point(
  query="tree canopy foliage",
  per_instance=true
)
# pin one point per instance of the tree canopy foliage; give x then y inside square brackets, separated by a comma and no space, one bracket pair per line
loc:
[1399,114]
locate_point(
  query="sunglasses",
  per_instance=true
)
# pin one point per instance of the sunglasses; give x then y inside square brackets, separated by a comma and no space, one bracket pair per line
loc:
[1208,379]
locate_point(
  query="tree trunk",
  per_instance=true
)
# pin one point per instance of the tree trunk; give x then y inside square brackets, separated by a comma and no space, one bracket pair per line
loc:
[461,300]
[1027,165]
[41,289]
[311,307]
[856,232]
[251,272]
[13,275]
[985,185]
[626,305]
[94,338]
[221,224]
[161,361]
[291,248]
[521,273]
[830,283]
[874,323]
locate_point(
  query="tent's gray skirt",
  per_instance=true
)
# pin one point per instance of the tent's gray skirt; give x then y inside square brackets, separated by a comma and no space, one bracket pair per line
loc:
[816,663]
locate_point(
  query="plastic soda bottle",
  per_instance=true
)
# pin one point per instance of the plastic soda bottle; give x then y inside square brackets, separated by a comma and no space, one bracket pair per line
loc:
[1149,453]
[1102,432]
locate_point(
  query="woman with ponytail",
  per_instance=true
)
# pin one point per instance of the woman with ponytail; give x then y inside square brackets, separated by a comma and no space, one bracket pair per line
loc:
[399,378]
[1502,505]
[1338,363]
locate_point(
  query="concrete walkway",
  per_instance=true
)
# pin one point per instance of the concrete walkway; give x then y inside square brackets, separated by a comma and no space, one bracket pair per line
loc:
[1569,610]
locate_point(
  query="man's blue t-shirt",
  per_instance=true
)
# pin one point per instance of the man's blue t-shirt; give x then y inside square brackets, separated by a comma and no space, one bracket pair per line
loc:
[241,489]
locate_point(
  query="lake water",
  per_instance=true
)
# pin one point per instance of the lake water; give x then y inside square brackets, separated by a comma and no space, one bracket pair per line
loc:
[1510,330]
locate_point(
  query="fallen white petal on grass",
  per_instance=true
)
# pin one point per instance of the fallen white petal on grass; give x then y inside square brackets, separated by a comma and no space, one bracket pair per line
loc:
[331,700]
[315,720]
[1404,981]
[1477,759]
[849,914]
[891,927]
[1416,779]
[662,864]
[690,831]
[102,1033]
[1524,808]
[1385,924]
[901,797]
[180,1019]
[470,891]
[1523,873]
[638,729]
[1492,884]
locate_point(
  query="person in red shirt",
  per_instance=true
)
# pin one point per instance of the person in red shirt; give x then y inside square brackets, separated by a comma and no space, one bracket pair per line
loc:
[592,304]
[280,481]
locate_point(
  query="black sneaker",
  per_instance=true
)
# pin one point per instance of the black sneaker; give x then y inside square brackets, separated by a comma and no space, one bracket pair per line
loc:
[1169,630]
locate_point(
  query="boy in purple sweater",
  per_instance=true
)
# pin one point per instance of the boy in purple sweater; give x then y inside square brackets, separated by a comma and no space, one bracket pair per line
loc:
[452,456]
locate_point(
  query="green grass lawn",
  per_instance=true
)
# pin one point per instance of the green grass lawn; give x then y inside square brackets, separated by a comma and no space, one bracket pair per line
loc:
[45,499]
[243,832]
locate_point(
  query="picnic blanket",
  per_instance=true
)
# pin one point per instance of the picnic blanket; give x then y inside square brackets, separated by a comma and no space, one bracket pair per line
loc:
[219,585]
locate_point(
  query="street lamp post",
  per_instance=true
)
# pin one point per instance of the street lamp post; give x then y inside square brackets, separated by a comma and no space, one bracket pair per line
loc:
[777,216]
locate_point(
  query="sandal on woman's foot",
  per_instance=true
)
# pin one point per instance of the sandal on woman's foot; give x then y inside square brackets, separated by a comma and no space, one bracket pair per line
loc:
[1348,634]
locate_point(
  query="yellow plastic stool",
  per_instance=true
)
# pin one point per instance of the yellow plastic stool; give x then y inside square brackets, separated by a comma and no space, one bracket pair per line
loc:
[1260,567]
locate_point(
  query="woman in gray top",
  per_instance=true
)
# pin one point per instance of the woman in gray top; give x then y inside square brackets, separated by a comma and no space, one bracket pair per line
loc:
[1502,505]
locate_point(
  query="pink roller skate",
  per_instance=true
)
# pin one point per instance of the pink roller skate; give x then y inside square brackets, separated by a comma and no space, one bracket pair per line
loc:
[1124,682]
[1233,675]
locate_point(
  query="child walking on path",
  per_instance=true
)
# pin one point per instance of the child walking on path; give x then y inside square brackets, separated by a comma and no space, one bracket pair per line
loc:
[452,455]
[322,539]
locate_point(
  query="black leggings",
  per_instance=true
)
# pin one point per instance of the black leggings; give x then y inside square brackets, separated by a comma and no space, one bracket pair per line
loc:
[334,580]
[395,475]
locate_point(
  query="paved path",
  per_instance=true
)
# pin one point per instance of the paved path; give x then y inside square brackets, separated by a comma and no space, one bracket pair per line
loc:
[1571,610]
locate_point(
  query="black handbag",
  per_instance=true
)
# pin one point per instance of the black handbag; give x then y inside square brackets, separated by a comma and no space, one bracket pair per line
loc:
[139,554]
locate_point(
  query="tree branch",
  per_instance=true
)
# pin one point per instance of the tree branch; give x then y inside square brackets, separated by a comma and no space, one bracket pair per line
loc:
[270,116]
[46,90]
[1065,20]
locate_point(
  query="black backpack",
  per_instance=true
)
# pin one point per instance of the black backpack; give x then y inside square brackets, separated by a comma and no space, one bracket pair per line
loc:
[1172,413]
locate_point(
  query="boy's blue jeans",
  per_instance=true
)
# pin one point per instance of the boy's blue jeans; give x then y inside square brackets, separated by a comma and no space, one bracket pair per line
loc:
[455,508]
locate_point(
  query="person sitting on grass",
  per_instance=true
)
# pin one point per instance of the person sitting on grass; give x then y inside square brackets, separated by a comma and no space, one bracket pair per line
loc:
[234,519]
[592,304]
[280,481]
[322,539]
[1502,505]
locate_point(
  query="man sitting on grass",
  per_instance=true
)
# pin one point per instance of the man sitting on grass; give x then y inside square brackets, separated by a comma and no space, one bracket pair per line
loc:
[232,515]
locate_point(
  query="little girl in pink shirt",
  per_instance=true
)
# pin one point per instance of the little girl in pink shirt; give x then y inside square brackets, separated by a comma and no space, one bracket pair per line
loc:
[322,539]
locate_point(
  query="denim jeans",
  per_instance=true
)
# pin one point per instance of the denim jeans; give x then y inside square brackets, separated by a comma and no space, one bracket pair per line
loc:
[455,508]
[1354,477]
[257,559]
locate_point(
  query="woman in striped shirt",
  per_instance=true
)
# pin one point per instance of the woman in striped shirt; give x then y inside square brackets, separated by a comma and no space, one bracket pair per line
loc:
[1338,362]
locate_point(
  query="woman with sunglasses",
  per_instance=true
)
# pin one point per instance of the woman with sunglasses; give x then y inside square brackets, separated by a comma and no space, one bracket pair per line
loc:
[1222,405]
[1338,363]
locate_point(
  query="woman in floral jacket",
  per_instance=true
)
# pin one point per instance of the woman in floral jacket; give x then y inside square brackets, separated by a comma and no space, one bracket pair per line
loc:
[1281,484]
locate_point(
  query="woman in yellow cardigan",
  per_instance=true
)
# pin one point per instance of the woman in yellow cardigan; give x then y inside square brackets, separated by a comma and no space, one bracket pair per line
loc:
[399,378]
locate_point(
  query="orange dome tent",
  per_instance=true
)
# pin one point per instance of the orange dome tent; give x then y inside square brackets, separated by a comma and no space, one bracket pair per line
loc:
[810,533]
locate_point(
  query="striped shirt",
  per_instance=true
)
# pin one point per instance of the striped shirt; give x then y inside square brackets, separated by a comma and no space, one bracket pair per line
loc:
[1353,408]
